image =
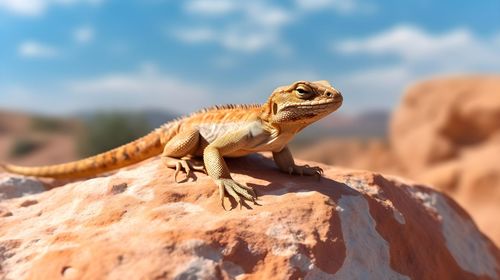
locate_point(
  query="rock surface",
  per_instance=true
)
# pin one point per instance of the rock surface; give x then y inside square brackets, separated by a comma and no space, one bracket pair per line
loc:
[11,187]
[139,224]
[473,180]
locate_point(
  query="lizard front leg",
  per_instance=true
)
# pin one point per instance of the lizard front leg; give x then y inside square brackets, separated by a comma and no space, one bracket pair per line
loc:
[284,161]
[217,168]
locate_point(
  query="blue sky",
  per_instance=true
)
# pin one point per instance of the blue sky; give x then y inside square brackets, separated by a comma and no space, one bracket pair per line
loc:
[66,56]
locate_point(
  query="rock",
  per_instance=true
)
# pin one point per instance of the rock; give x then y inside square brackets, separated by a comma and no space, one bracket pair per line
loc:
[446,133]
[368,154]
[439,118]
[11,187]
[139,224]
[474,181]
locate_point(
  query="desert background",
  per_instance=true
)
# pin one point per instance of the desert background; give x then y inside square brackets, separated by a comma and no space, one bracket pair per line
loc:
[420,80]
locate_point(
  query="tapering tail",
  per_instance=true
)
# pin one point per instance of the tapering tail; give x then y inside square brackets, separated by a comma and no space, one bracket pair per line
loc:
[128,154]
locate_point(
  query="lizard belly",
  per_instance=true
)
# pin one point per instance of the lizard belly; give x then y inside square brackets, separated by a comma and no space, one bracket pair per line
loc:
[240,153]
[258,139]
[266,145]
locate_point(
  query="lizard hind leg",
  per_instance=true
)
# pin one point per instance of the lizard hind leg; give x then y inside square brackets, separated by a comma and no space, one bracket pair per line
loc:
[178,151]
[185,164]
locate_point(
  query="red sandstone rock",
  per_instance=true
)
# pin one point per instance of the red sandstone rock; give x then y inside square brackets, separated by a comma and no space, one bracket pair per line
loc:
[446,133]
[11,187]
[439,118]
[139,224]
[368,154]
[473,180]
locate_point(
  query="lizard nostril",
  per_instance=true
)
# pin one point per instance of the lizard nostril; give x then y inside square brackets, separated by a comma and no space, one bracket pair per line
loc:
[329,94]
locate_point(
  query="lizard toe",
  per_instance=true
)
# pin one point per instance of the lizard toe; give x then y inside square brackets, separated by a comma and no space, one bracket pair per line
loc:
[177,170]
[237,191]
[186,166]
[307,170]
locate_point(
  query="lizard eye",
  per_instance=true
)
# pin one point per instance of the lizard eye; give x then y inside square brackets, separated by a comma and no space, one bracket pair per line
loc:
[303,92]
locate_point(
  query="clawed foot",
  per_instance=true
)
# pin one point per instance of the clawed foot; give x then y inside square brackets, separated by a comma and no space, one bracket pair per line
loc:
[236,190]
[187,165]
[306,170]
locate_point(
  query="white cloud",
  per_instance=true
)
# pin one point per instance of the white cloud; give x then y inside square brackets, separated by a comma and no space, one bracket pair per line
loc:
[251,26]
[457,50]
[33,49]
[407,41]
[37,7]
[211,7]
[84,34]
[238,39]
[23,7]
[342,6]
[268,15]
[255,25]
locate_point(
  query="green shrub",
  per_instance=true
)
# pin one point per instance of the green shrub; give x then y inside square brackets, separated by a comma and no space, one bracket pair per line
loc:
[105,131]
[24,146]
[48,124]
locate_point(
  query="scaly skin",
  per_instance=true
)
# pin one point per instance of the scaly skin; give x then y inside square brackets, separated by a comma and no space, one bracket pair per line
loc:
[215,133]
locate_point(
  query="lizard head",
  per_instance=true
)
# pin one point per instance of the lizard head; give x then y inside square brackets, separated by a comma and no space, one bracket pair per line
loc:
[301,103]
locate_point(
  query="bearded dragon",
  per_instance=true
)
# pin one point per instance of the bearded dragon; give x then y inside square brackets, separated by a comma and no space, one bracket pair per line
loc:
[215,133]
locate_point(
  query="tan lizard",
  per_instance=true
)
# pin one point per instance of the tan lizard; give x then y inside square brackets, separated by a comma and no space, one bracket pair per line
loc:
[214,133]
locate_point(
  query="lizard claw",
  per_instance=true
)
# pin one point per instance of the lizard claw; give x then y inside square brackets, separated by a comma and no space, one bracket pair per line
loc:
[189,166]
[307,170]
[221,194]
[177,169]
[238,191]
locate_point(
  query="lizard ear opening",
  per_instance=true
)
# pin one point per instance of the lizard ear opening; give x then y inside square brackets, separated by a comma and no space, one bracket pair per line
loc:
[275,108]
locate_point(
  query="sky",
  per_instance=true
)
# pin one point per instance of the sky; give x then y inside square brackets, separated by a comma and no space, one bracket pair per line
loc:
[70,56]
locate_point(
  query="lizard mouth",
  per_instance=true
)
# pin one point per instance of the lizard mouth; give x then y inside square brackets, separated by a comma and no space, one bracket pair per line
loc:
[314,105]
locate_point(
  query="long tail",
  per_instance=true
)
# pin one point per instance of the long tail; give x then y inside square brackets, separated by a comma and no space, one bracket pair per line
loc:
[128,154]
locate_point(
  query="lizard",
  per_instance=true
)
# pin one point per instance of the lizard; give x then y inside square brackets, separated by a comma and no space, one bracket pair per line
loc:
[214,133]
